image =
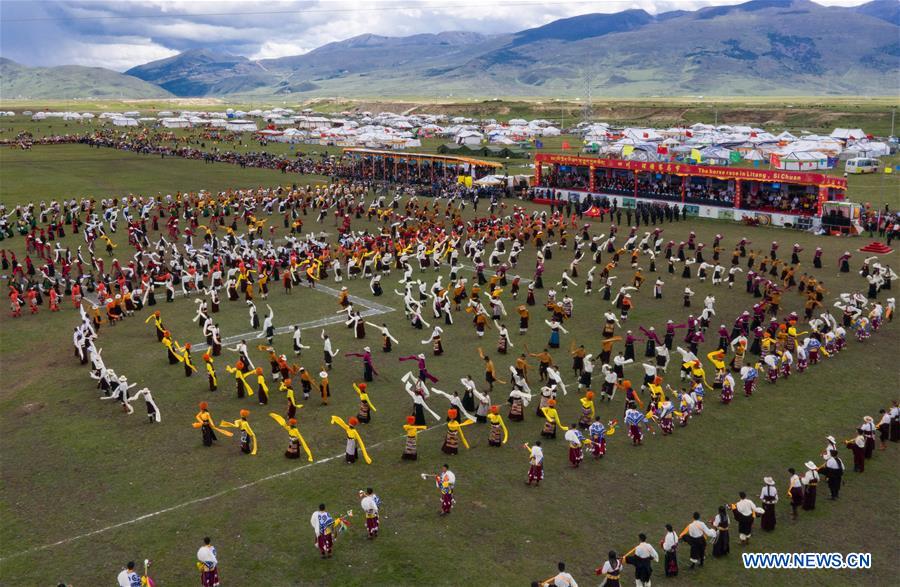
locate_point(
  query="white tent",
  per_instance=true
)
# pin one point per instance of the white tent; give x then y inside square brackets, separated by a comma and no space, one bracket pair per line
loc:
[241,126]
[802,161]
[469,137]
[123,121]
[489,180]
[175,123]
[754,155]
[848,134]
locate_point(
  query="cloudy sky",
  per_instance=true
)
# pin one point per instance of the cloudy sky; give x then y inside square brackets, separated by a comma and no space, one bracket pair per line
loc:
[120,34]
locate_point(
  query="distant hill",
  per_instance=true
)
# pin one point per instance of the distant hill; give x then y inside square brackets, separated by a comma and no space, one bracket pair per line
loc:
[71,81]
[761,47]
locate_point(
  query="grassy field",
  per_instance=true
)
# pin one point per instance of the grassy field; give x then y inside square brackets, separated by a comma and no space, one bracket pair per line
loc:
[77,170]
[77,473]
[43,169]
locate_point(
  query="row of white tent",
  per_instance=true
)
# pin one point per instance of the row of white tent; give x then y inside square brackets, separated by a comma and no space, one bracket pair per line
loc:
[387,129]
[716,145]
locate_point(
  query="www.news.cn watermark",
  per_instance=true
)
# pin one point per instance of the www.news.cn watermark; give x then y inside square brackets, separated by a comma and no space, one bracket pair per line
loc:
[807,560]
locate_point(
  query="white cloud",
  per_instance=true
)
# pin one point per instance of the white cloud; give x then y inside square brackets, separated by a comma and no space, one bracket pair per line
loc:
[275,49]
[130,33]
[117,56]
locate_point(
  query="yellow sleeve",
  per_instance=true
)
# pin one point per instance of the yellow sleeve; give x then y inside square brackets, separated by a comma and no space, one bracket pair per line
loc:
[362,447]
[337,420]
[247,387]
[304,445]
[505,431]
[462,437]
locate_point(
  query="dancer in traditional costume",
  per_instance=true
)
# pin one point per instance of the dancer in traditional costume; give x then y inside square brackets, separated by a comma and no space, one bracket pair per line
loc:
[207,426]
[153,414]
[366,407]
[834,472]
[355,443]
[795,491]
[445,481]
[576,441]
[696,533]
[551,420]
[370,504]
[587,410]
[410,452]
[642,558]
[211,372]
[721,525]
[295,439]
[498,434]
[634,419]
[536,463]
[810,482]
[248,437]
[455,433]
[769,497]
[745,511]
[323,524]
[368,367]
[207,564]
[669,544]
[858,446]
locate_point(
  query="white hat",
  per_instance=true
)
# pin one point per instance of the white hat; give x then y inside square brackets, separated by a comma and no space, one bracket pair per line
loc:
[323,374]
[367,349]
[811,465]
[867,419]
[831,439]
[768,481]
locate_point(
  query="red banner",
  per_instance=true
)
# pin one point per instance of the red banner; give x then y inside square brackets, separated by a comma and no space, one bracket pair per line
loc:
[723,173]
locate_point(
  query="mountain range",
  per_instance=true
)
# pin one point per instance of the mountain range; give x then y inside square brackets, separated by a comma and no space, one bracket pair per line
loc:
[761,47]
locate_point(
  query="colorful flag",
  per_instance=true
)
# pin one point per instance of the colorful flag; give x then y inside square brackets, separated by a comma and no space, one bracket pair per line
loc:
[662,150]
[775,161]
[695,155]
[565,145]
[889,169]
[538,144]
[627,150]
[734,157]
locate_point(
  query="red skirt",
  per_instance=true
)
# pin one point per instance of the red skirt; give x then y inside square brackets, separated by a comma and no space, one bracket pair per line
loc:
[325,542]
[372,525]
[446,502]
[635,433]
[598,449]
[575,455]
[209,578]
[535,473]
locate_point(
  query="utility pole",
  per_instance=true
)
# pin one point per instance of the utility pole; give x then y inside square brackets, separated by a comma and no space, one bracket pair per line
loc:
[587,111]
[893,115]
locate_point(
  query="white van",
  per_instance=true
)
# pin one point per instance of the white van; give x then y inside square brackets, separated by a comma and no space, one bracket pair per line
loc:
[862,165]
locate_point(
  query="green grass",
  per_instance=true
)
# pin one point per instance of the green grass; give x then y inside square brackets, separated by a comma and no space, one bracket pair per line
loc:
[72,465]
[86,171]
[76,171]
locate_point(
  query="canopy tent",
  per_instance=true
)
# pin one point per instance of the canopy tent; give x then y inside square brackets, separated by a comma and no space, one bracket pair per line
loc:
[489,181]
[800,161]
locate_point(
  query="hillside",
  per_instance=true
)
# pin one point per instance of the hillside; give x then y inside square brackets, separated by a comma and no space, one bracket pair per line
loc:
[71,81]
[761,47]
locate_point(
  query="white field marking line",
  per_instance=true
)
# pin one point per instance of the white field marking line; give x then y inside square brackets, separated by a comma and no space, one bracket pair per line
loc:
[371,309]
[199,500]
